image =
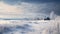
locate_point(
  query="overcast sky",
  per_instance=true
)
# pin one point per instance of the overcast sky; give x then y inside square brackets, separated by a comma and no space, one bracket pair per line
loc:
[28,8]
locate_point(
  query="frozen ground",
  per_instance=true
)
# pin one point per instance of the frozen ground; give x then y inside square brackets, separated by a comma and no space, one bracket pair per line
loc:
[29,27]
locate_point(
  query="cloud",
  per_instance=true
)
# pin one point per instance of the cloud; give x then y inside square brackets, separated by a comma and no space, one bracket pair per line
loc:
[41,1]
[57,8]
[50,4]
[11,2]
[6,10]
[27,8]
[22,10]
[30,1]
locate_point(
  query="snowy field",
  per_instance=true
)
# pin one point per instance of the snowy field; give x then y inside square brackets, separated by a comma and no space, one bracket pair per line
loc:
[29,27]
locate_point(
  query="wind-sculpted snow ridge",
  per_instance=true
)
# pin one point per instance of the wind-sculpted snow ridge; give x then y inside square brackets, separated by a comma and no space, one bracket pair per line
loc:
[28,27]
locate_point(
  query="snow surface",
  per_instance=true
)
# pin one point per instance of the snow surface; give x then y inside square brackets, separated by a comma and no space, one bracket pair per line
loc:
[29,27]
